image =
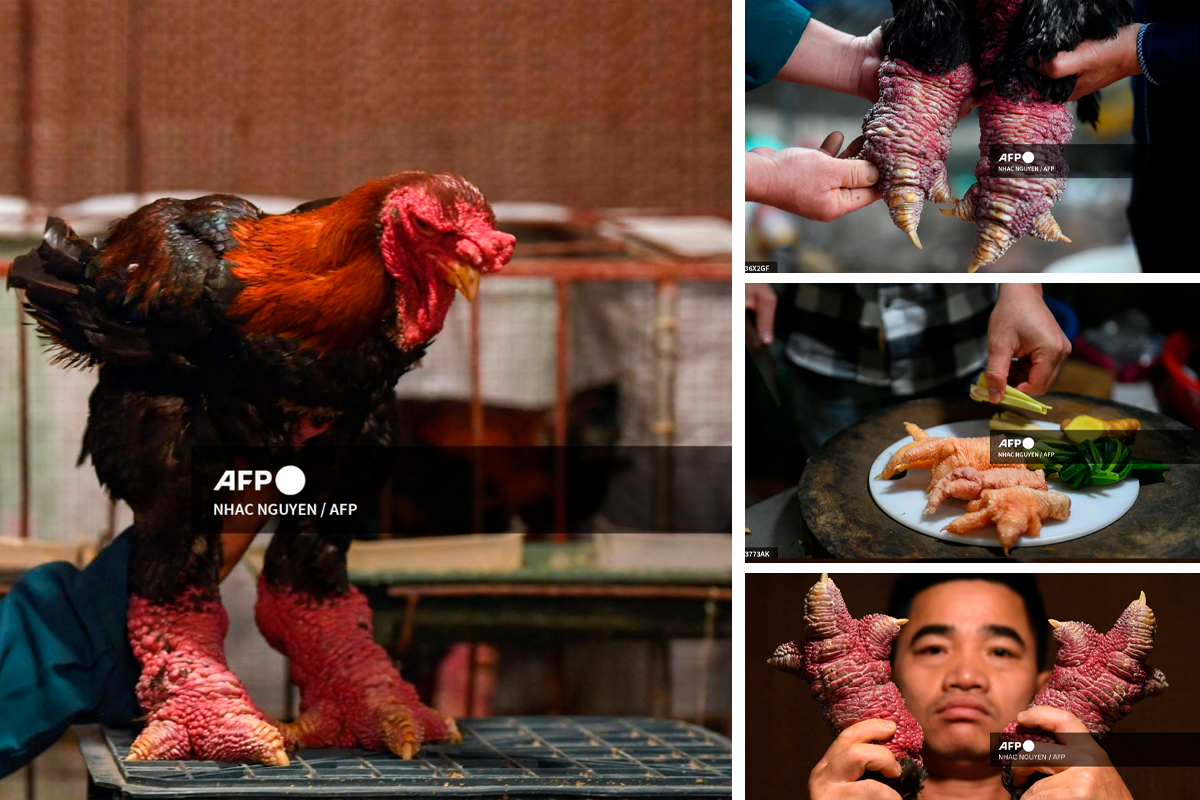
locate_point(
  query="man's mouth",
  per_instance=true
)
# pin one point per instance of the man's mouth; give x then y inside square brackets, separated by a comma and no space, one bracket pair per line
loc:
[963,708]
[462,277]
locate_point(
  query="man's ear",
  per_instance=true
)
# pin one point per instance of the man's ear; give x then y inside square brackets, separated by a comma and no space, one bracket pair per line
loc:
[1042,679]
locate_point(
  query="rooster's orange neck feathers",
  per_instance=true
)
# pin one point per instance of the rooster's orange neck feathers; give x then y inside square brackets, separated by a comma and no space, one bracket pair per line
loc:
[316,276]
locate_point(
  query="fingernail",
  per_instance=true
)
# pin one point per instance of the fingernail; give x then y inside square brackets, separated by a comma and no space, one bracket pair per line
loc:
[767,338]
[872,173]
[994,396]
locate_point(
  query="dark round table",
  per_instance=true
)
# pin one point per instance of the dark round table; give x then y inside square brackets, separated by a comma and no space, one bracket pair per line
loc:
[843,520]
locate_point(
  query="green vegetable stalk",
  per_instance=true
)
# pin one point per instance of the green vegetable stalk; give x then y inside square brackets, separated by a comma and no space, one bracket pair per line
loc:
[1011,397]
[1096,462]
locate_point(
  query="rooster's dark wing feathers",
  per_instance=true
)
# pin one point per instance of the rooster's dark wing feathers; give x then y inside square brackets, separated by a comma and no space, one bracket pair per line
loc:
[155,286]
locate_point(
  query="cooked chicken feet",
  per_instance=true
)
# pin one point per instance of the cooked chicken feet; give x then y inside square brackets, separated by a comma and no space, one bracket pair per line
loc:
[1014,511]
[941,455]
[966,483]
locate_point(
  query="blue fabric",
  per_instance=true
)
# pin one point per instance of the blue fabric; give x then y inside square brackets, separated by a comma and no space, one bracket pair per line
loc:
[1170,52]
[773,28]
[1162,124]
[64,653]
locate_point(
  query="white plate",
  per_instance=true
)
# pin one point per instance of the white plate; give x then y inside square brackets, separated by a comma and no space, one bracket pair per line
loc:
[1092,508]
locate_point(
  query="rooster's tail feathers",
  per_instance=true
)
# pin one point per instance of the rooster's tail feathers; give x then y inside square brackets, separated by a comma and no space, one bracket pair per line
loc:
[60,294]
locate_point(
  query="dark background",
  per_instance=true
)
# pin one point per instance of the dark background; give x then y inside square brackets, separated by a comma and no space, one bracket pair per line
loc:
[785,735]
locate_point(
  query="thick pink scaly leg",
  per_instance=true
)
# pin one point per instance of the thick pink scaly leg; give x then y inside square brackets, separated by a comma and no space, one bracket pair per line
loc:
[351,694]
[846,663]
[196,707]
[1097,677]
[908,136]
[1004,207]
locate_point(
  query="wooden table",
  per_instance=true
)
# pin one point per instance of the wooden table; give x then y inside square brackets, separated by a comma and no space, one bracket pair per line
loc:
[843,520]
[558,595]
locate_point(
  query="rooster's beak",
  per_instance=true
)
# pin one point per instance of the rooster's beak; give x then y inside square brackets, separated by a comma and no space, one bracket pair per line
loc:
[464,278]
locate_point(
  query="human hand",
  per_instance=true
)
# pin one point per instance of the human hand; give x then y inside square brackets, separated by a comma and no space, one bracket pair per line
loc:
[836,775]
[1022,327]
[1069,783]
[974,99]
[1097,62]
[867,55]
[761,299]
[816,184]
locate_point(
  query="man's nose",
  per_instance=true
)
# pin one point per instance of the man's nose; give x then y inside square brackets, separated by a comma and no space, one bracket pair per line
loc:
[966,672]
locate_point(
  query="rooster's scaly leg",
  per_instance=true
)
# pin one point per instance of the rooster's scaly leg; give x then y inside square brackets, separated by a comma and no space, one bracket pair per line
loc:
[196,706]
[351,693]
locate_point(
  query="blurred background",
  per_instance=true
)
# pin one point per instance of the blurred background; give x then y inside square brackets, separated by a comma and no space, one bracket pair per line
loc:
[1091,211]
[786,735]
[598,130]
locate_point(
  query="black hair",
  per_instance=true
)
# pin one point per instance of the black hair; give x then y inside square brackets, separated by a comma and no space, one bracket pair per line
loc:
[909,586]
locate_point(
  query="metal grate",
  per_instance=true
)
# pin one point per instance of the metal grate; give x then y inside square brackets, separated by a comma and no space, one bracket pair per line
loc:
[500,756]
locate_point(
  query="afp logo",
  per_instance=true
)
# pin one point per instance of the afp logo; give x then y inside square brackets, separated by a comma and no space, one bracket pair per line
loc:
[1027,443]
[1026,157]
[1026,746]
[288,480]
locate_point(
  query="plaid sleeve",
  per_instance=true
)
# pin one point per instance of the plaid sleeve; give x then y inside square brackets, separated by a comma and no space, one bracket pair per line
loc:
[911,337]
[935,333]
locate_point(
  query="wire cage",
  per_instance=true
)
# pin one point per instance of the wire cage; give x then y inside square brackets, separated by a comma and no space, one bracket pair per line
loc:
[649,335]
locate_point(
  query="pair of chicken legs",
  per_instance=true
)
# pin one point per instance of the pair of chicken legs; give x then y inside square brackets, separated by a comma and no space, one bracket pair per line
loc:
[351,693]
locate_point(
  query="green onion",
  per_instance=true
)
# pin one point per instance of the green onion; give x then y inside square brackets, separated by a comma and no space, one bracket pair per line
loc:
[1096,462]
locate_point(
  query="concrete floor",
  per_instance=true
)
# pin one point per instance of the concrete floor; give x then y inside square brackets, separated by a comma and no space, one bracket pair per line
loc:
[57,773]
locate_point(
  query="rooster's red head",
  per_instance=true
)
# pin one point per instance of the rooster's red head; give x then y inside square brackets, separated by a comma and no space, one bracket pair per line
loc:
[395,248]
[438,236]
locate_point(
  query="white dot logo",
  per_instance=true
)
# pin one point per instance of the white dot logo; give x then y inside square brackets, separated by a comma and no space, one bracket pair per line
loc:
[1027,746]
[290,480]
[1027,442]
[1027,157]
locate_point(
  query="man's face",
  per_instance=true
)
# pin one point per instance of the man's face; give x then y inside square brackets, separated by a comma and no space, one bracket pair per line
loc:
[966,664]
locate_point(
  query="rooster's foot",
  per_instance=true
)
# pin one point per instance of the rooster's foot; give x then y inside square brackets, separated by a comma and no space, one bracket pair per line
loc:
[213,735]
[382,722]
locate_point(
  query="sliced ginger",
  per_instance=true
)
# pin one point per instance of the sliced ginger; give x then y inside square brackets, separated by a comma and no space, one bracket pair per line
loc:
[1082,427]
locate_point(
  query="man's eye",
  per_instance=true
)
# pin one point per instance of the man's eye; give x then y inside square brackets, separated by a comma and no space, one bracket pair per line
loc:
[932,650]
[1002,651]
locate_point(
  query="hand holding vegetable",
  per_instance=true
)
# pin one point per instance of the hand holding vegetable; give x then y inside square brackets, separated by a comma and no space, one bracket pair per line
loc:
[979,392]
[1022,327]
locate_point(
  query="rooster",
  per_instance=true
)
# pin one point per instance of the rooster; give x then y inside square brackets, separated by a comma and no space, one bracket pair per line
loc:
[215,324]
